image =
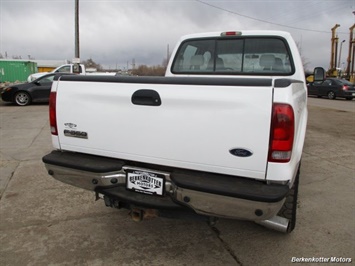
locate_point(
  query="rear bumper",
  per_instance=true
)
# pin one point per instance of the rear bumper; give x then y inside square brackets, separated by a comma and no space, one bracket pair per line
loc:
[203,193]
[347,94]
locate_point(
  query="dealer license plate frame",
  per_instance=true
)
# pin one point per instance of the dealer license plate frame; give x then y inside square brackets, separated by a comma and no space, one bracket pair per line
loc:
[145,182]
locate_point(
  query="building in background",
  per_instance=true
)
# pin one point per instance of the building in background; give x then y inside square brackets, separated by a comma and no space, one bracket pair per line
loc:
[49,65]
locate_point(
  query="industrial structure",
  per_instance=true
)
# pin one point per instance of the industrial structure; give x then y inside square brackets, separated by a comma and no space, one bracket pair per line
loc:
[334,69]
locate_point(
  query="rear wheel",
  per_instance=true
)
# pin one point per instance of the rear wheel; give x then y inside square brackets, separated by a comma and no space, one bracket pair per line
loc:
[22,98]
[331,95]
[289,209]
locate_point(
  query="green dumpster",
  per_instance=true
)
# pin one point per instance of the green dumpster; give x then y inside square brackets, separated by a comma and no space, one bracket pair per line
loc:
[16,70]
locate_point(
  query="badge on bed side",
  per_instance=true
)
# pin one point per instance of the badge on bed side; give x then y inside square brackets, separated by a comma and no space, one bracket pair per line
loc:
[71,131]
[75,134]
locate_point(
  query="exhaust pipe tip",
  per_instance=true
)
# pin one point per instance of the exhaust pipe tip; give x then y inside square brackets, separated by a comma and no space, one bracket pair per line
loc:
[276,223]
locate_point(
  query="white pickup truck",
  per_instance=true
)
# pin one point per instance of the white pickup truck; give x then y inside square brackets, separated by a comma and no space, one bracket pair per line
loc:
[67,68]
[220,136]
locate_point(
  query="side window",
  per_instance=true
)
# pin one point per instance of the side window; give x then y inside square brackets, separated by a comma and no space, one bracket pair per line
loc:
[327,82]
[46,80]
[64,69]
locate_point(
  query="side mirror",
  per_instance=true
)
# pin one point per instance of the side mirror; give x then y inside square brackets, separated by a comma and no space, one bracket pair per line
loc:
[319,74]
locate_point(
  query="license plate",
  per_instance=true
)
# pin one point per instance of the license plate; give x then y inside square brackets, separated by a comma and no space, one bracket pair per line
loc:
[145,182]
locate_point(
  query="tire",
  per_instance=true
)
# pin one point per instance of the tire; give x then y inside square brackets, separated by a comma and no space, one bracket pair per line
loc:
[289,209]
[22,98]
[331,95]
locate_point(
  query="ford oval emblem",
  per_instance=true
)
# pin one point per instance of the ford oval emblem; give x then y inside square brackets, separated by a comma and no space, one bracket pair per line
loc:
[240,152]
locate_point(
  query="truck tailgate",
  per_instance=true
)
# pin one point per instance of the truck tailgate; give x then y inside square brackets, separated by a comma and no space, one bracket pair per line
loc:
[223,127]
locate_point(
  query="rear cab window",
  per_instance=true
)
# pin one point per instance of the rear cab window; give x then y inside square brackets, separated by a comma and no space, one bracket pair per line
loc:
[242,55]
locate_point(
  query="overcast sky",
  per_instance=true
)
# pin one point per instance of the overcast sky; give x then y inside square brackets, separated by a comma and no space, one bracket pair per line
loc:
[114,32]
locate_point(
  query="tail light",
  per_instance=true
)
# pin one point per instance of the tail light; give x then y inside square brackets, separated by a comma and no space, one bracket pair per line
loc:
[345,88]
[53,113]
[282,133]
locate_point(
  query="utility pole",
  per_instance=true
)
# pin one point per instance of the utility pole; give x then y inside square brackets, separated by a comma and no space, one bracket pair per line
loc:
[341,46]
[167,56]
[133,63]
[77,52]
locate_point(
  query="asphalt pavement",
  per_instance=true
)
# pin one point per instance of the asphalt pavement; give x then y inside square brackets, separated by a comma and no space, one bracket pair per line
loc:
[46,222]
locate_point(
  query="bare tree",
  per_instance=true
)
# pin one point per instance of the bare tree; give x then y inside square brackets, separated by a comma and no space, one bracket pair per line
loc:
[91,64]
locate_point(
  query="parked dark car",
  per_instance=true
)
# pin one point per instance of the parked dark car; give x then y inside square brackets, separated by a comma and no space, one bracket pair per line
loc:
[34,91]
[332,88]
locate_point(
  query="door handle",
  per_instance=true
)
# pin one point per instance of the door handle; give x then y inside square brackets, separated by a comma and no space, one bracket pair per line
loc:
[146,97]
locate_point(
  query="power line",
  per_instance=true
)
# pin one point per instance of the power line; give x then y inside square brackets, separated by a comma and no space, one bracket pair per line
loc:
[261,20]
[313,14]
